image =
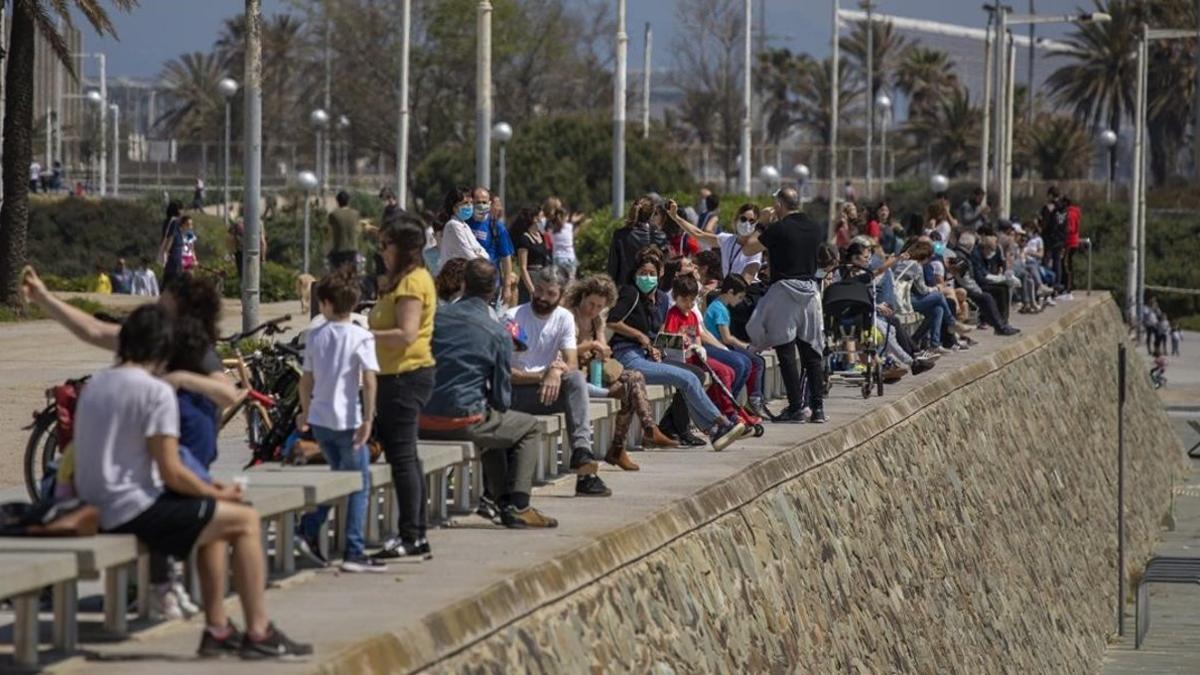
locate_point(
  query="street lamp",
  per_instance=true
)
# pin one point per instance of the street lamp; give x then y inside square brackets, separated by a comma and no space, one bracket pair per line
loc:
[116,177]
[343,123]
[1108,138]
[96,98]
[883,103]
[802,174]
[227,87]
[502,132]
[938,183]
[308,182]
[320,120]
[769,174]
[1005,65]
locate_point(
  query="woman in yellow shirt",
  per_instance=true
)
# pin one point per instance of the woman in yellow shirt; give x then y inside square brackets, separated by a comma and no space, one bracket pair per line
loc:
[402,322]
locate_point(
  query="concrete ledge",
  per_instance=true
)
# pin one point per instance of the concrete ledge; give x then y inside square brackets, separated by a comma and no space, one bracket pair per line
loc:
[454,631]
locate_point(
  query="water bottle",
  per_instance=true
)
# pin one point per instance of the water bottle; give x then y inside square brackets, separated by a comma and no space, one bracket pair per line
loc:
[596,372]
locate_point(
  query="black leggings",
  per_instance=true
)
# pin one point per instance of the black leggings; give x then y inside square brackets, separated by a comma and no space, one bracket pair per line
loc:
[400,400]
[814,369]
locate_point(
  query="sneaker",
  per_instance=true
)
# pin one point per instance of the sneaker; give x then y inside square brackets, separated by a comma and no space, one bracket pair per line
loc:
[939,350]
[690,440]
[1049,302]
[818,416]
[164,605]
[591,486]
[1006,331]
[760,409]
[527,518]
[311,550]
[920,365]
[189,608]
[488,510]
[927,355]
[1068,297]
[212,647]
[791,416]
[396,548]
[275,645]
[424,549]
[362,564]
[726,435]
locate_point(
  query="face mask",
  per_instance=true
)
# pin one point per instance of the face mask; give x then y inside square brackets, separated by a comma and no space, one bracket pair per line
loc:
[646,284]
[938,248]
[745,228]
[464,212]
[542,224]
[481,210]
[540,307]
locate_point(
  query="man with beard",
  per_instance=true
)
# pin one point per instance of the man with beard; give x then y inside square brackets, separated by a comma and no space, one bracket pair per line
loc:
[546,376]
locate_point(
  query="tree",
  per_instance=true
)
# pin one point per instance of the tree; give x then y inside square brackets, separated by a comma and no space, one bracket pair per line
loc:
[774,74]
[925,76]
[815,104]
[888,45]
[946,134]
[29,16]
[192,80]
[1060,147]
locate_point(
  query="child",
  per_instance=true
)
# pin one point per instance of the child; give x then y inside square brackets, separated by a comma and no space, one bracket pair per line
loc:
[144,281]
[1160,365]
[717,320]
[1176,338]
[682,320]
[337,356]
[100,283]
[188,231]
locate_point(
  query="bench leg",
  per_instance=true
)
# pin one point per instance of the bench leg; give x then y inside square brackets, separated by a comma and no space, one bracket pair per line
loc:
[1194,451]
[285,543]
[116,580]
[66,624]
[462,486]
[390,513]
[25,630]
[443,495]
[476,482]
[1141,617]
[143,586]
[371,527]
[339,530]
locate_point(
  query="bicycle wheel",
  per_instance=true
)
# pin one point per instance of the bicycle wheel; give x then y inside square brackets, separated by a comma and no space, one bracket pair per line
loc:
[40,452]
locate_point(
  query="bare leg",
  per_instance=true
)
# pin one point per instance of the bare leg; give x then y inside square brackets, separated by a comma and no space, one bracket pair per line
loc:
[210,565]
[237,525]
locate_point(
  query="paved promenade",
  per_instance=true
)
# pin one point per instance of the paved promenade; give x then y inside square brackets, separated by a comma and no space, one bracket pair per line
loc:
[336,610]
[1173,643]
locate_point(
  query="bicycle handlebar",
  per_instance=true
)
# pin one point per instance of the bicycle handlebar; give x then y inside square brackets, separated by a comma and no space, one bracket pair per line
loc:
[271,327]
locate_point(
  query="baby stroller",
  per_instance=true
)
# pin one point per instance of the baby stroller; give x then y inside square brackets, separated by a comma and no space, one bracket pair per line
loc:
[850,333]
[745,415]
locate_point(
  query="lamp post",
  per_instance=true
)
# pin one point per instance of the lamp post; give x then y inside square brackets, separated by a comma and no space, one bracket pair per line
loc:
[870,7]
[227,87]
[308,182]
[938,183]
[116,154]
[343,124]
[320,120]
[96,98]
[502,132]
[483,95]
[835,90]
[618,172]
[402,122]
[802,174]
[744,170]
[1005,59]
[883,103]
[769,175]
[1108,138]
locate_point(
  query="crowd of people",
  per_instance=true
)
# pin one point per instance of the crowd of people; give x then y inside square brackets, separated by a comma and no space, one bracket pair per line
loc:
[479,325]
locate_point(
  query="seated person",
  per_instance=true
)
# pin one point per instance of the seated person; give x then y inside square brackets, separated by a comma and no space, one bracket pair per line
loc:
[717,321]
[127,465]
[472,397]
[681,320]
[546,376]
[966,273]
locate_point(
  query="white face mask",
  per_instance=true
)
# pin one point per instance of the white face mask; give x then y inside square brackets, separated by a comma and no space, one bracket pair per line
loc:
[745,228]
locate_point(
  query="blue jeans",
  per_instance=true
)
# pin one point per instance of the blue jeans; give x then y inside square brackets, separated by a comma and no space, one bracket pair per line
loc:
[934,307]
[760,370]
[338,448]
[739,363]
[702,410]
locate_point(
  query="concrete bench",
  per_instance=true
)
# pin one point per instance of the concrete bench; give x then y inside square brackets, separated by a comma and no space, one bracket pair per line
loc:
[319,486]
[278,506]
[772,384]
[550,430]
[1160,570]
[1194,451]
[467,486]
[437,459]
[110,555]
[22,578]
[602,413]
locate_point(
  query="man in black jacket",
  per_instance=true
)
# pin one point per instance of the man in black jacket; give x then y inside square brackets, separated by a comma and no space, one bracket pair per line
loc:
[638,233]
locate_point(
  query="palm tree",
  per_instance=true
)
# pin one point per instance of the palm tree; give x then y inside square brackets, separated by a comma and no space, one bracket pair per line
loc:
[1060,147]
[925,76]
[774,74]
[947,134]
[29,16]
[815,105]
[192,80]
[888,45]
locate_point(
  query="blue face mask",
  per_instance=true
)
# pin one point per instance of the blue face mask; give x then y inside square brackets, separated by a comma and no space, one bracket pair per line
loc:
[938,248]
[482,210]
[464,212]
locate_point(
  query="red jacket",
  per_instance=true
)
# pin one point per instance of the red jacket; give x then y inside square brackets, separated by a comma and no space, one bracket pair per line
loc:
[1073,217]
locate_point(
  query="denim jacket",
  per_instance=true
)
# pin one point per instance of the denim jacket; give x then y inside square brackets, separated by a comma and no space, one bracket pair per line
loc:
[473,352]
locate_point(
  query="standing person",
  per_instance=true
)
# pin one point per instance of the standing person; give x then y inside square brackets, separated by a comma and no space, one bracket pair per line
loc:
[100,283]
[1176,338]
[198,195]
[338,355]
[532,252]
[879,224]
[973,212]
[563,230]
[788,318]
[170,252]
[734,259]
[128,466]
[188,257]
[1054,232]
[122,278]
[638,232]
[710,216]
[1072,224]
[458,241]
[344,230]
[402,322]
[472,396]
[144,281]
[35,176]
[174,208]
[489,230]
[391,205]
[237,231]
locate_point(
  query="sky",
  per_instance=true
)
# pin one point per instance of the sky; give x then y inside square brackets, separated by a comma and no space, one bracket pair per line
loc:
[163,29]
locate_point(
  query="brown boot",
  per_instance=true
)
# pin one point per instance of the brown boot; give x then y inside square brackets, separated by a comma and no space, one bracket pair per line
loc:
[618,457]
[655,438]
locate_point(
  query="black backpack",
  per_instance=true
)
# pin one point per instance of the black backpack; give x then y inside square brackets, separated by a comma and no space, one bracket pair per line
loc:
[739,315]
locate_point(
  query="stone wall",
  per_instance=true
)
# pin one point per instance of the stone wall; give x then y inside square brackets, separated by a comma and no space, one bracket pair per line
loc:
[967,527]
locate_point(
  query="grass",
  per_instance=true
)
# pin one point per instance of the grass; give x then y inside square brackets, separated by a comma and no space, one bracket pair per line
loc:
[10,314]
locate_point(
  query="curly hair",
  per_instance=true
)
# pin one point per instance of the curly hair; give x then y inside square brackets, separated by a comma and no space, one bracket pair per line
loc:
[449,281]
[596,284]
[650,254]
[198,298]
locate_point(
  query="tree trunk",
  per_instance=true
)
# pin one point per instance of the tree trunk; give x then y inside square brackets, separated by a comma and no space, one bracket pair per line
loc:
[18,152]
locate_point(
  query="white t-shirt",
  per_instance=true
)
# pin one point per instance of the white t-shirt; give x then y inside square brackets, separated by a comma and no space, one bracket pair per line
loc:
[35,171]
[943,228]
[336,354]
[564,241]
[117,411]
[733,260]
[458,241]
[1033,248]
[545,337]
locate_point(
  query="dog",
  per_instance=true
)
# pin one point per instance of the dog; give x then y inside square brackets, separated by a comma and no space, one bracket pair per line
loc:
[304,284]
